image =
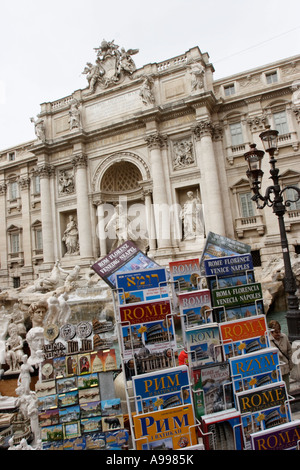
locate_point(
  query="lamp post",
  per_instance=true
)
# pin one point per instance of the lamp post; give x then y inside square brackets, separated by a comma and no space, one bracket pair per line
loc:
[274,198]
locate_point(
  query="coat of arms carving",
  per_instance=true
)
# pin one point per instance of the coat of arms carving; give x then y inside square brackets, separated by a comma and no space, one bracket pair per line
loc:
[112,65]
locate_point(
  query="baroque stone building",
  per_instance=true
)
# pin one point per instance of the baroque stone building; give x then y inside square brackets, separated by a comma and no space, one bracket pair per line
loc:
[150,140]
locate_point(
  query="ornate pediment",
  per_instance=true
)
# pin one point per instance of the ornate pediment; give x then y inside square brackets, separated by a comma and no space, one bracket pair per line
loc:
[112,65]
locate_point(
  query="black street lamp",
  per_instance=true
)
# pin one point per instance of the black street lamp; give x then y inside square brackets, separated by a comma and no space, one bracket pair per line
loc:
[274,198]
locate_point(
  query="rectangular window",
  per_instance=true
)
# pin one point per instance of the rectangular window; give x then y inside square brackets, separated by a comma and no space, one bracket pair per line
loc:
[13,190]
[39,240]
[236,134]
[292,195]
[271,77]
[281,124]
[229,90]
[15,245]
[247,208]
[11,156]
[16,282]
[36,185]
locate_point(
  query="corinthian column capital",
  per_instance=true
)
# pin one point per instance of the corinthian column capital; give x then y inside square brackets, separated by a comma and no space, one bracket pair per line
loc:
[79,161]
[156,140]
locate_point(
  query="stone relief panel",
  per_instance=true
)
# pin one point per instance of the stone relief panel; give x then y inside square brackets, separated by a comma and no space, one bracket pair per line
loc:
[183,154]
[66,182]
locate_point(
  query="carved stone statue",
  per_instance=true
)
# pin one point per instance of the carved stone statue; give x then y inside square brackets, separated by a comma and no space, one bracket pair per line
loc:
[146,91]
[197,72]
[13,349]
[70,237]
[35,340]
[75,116]
[191,214]
[72,277]
[112,65]
[119,227]
[17,318]
[37,311]
[50,282]
[39,128]
[24,378]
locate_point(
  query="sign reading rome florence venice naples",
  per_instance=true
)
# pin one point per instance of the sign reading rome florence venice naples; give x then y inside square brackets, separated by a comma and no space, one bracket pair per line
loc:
[127,257]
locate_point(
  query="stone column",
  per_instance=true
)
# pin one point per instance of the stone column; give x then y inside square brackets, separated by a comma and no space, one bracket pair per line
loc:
[45,171]
[211,193]
[24,184]
[150,219]
[3,234]
[101,229]
[160,201]
[83,208]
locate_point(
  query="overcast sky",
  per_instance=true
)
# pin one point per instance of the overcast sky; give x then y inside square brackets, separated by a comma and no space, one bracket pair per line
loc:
[44,45]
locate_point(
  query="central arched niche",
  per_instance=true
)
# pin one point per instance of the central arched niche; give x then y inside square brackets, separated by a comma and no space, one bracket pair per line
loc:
[121,184]
[122,177]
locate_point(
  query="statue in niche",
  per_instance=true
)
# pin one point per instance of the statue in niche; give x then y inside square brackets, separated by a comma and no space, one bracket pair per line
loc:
[197,72]
[13,349]
[146,91]
[70,237]
[191,215]
[39,128]
[183,151]
[119,227]
[66,182]
[74,113]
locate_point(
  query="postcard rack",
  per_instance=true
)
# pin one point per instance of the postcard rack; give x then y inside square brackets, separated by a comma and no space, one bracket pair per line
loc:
[148,348]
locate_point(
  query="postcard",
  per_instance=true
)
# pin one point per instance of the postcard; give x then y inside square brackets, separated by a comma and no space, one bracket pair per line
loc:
[203,344]
[52,433]
[66,384]
[212,388]
[68,399]
[127,257]
[71,365]
[283,437]
[68,414]
[162,389]
[144,312]
[140,286]
[49,417]
[89,395]
[90,409]
[195,308]
[111,407]
[71,430]
[88,381]
[185,274]
[243,336]
[255,369]
[110,423]
[92,424]
[59,367]
[150,429]
[47,402]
